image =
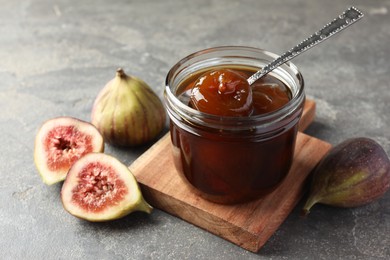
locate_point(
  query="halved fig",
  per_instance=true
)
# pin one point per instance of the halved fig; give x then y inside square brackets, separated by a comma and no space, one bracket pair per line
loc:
[60,142]
[100,188]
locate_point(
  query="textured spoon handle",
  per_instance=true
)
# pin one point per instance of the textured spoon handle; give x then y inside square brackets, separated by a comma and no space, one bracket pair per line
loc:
[350,16]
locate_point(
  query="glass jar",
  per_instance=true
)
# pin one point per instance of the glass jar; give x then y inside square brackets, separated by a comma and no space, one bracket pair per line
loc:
[232,159]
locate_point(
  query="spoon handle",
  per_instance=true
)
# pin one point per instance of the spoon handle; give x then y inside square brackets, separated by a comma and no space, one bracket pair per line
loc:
[348,17]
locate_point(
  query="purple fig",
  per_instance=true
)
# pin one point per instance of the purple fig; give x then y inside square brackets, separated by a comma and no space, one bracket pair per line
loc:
[353,173]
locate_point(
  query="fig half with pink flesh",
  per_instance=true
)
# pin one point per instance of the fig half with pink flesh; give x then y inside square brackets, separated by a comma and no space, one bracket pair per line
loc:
[60,142]
[100,188]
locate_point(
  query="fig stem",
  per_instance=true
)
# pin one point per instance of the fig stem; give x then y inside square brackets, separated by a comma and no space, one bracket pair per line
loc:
[308,205]
[145,207]
[121,73]
[304,213]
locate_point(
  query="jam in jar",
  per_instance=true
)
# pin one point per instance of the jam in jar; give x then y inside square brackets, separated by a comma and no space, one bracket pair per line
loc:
[233,142]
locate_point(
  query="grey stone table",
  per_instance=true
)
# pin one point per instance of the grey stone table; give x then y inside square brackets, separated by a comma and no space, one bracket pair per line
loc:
[56,55]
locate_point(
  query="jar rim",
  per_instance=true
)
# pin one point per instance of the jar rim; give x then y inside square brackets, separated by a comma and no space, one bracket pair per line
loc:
[202,118]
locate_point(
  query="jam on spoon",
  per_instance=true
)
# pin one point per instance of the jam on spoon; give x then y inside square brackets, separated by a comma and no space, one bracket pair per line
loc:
[226,92]
[222,92]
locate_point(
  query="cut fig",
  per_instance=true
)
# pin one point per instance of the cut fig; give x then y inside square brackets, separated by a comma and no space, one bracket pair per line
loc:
[99,188]
[60,142]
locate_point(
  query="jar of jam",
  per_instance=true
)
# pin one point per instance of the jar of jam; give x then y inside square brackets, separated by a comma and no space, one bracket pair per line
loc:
[233,158]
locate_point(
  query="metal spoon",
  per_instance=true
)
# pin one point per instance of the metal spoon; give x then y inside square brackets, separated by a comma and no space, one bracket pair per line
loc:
[348,17]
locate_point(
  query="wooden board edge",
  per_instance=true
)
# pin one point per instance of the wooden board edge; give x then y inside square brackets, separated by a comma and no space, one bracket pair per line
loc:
[288,205]
[193,215]
[308,115]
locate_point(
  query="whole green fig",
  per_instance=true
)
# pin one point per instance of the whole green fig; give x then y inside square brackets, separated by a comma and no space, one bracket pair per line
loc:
[353,173]
[127,112]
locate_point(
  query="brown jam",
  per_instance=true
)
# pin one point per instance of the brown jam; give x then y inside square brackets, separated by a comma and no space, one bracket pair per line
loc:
[226,92]
[229,167]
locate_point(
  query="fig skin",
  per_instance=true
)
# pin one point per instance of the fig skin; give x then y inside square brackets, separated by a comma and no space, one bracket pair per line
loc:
[127,112]
[353,173]
[55,150]
[120,196]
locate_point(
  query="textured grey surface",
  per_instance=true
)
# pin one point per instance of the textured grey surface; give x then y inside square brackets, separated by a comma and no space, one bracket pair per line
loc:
[56,55]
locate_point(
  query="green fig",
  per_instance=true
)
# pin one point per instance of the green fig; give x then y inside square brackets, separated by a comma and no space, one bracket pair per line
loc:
[353,173]
[127,112]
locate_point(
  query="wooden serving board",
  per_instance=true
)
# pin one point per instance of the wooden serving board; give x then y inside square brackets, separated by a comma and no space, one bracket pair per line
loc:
[248,225]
